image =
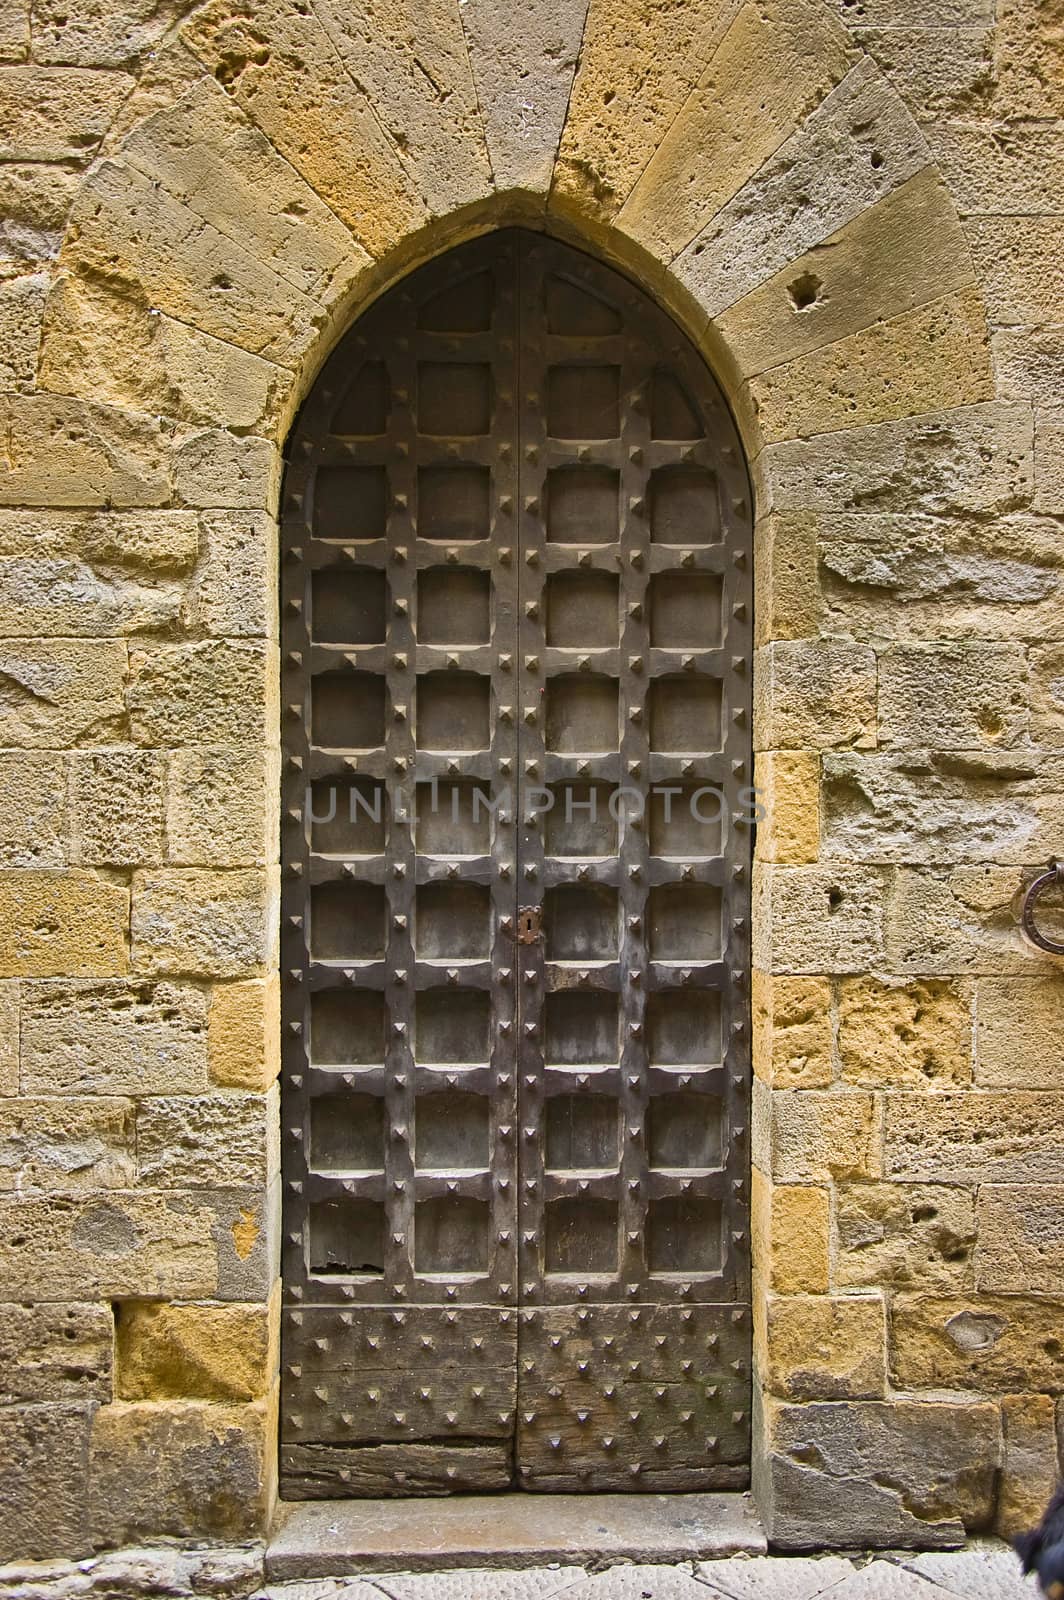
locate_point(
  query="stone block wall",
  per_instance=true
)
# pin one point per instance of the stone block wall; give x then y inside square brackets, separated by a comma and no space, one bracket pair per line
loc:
[856,207]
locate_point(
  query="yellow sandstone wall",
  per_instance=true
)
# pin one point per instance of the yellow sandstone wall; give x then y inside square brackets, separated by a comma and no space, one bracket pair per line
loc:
[855,206]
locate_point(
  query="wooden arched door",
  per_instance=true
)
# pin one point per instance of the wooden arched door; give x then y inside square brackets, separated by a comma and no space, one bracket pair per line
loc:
[516,663]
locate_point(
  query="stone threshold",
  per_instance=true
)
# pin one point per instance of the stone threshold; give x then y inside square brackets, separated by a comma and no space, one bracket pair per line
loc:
[338,1538]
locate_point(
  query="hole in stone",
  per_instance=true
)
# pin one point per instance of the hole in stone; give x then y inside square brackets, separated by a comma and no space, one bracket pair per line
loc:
[804,291]
[835,899]
[877,158]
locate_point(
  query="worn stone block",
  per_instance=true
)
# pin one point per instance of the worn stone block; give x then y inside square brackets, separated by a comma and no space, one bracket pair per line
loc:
[117,1037]
[1019,1040]
[989,1343]
[192,1352]
[56,113]
[958,696]
[818,920]
[233,592]
[101,33]
[62,922]
[21,313]
[15,31]
[209,693]
[116,805]
[938,71]
[67,1146]
[243,1032]
[998,176]
[177,1469]
[788,788]
[1029,363]
[217,468]
[217,810]
[1049,463]
[978,458]
[894,1034]
[73,453]
[793,1043]
[32,809]
[909,1474]
[1047,694]
[194,1141]
[61,692]
[904,1236]
[1021,1237]
[1020,263]
[200,920]
[44,1508]
[815,694]
[821,1347]
[1029,1473]
[59,1352]
[245,1229]
[792,1235]
[34,201]
[969,1138]
[9,1037]
[787,603]
[956,922]
[818,1135]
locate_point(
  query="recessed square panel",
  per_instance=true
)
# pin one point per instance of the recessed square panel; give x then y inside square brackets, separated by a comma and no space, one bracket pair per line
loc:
[350,503]
[684,922]
[451,1235]
[684,506]
[685,610]
[686,820]
[573,310]
[453,711]
[348,605]
[347,921]
[451,1132]
[684,1234]
[583,610]
[683,1027]
[453,922]
[453,818]
[581,1236]
[347,710]
[582,1133]
[453,398]
[581,923]
[582,714]
[581,1028]
[347,817]
[580,821]
[582,505]
[453,606]
[453,1026]
[453,503]
[347,1133]
[346,1238]
[685,714]
[347,1027]
[463,307]
[583,402]
[673,413]
[684,1131]
[363,411]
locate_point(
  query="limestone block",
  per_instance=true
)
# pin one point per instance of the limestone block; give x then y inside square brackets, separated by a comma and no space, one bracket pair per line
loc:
[637,66]
[523,64]
[105,341]
[60,692]
[894,1034]
[56,113]
[282,69]
[1020,263]
[62,922]
[216,807]
[812,919]
[1002,176]
[67,1146]
[1047,695]
[792,1031]
[72,453]
[218,468]
[243,1032]
[101,33]
[857,146]
[788,787]
[957,922]
[32,809]
[989,1343]
[1021,1237]
[200,920]
[46,595]
[787,603]
[910,1474]
[904,1236]
[818,1135]
[1029,1472]
[45,1451]
[771,69]
[115,1037]
[108,1246]
[58,1352]
[974,1138]
[1028,61]
[116,805]
[978,458]
[1019,1039]
[177,1469]
[915,13]
[814,694]
[146,544]
[192,1352]
[21,313]
[194,1141]
[233,593]
[34,200]
[129,230]
[1049,463]
[1030,364]
[15,31]
[881,372]
[792,1235]
[9,1037]
[939,72]
[245,1228]
[198,694]
[962,696]
[822,1347]
[842,284]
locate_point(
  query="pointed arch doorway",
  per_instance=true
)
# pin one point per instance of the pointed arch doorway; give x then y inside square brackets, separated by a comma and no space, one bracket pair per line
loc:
[516,664]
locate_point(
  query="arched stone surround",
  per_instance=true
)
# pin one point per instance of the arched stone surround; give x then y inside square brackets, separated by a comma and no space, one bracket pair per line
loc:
[257,175]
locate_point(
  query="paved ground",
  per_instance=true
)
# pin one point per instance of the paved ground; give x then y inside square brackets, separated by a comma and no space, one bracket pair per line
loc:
[984,1571]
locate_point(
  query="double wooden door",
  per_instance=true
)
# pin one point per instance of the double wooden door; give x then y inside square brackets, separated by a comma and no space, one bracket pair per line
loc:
[515,593]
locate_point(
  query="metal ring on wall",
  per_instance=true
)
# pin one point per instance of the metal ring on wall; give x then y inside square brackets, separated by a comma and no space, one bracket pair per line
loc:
[1055,874]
